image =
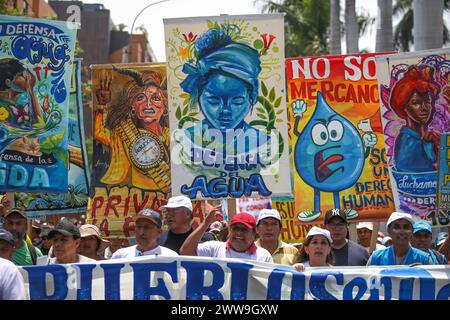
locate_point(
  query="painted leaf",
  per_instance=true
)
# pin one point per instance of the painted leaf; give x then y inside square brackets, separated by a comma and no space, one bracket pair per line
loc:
[272,95]
[277,102]
[178,113]
[264,89]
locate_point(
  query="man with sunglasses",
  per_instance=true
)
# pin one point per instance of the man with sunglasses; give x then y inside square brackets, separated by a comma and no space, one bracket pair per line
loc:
[346,252]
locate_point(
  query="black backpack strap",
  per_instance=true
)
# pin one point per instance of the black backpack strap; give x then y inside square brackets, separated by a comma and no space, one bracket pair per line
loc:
[33,253]
[438,256]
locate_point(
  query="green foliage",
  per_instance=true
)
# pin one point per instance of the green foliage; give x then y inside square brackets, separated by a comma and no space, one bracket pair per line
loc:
[50,145]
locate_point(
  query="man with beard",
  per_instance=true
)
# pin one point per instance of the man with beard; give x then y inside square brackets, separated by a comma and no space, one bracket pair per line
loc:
[16,223]
[240,243]
[422,239]
[268,227]
[148,225]
[400,228]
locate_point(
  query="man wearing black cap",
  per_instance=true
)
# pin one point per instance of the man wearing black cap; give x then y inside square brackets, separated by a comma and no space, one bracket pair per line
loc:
[6,244]
[66,240]
[346,252]
[148,226]
[16,223]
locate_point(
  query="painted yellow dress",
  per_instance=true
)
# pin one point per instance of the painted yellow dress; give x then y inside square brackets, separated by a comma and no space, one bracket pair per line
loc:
[121,171]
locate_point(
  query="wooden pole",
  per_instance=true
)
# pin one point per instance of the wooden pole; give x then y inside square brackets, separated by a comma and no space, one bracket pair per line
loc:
[353,235]
[373,240]
[231,208]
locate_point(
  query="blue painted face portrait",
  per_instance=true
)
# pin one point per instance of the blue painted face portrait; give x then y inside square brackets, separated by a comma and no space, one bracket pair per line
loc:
[329,151]
[224,80]
[225,101]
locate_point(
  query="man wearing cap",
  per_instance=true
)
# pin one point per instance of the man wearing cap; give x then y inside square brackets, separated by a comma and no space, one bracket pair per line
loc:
[364,232]
[66,240]
[16,223]
[11,282]
[268,227]
[92,244]
[46,244]
[422,239]
[147,229]
[179,218]
[6,244]
[346,252]
[443,243]
[400,228]
[240,243]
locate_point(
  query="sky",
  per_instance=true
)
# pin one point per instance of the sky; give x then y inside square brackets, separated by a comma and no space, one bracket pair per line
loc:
[125,11]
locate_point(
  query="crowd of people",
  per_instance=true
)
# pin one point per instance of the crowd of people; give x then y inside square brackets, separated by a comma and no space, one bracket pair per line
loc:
[409,242]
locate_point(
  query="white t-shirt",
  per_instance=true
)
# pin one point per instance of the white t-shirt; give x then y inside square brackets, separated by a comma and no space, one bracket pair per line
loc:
[132,251]
[81,259]
[217,249]
[11,282]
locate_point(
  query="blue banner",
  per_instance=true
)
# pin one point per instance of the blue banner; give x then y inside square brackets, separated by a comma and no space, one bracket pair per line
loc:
[36,58]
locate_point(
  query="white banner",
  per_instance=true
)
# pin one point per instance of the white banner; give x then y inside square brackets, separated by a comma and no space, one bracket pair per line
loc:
[196,278]
[228,119]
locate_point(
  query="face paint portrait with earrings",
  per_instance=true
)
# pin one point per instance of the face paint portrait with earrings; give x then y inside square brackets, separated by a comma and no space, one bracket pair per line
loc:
[131,120]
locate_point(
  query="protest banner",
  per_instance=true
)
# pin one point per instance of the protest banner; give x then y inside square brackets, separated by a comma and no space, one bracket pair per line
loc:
[253,205]
[291,231]
[39,204]
[131,145]
[227,111]
[197,278]
[36,58]
[337,139]
[415,96]
[443,194]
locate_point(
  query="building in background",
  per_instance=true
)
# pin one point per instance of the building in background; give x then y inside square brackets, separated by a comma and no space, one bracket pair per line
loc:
[33,8]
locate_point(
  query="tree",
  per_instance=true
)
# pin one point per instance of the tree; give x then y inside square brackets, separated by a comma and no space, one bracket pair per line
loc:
[428,24]
[403,31]
[7,9]
[384,38]
[335,27]
[142,29]
[351,27]
[306,27]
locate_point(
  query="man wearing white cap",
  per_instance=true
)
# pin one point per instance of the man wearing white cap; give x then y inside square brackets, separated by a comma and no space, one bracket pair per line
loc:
[268,227]
[364,232]
[400,228]
[148,226]
[179,218]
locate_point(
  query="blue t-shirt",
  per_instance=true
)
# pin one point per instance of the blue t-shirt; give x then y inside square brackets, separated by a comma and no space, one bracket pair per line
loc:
[435,259]
[386,257]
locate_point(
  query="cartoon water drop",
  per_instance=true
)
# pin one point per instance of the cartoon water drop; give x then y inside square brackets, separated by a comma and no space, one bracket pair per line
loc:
[61,92]
[329,153]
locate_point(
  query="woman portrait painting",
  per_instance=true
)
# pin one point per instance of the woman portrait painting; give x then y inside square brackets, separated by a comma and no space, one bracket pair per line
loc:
[413,99]
[135,129]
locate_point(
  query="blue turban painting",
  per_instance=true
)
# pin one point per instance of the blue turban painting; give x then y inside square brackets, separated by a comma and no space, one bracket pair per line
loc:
[226,128]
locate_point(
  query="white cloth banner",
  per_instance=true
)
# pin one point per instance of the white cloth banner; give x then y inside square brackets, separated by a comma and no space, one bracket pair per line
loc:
[196,278]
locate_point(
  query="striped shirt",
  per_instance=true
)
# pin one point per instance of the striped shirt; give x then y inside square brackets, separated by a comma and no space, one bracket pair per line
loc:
[284,254]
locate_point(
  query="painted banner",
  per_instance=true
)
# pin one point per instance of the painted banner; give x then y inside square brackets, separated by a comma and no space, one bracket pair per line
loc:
[131,144]
[197,278]
[226,104]
[443,195]
[253,205]
[415,98]
[75,200]
[337,138]
[36,58]
[291,230]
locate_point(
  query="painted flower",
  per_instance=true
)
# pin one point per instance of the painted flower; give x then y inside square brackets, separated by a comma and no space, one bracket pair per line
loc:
[183,52]
[21,114]
[267,40]
[190,37]
[4,114]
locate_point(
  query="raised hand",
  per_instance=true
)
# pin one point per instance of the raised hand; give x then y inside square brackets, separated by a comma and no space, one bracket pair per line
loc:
[370,139]
[211,215]
[298,107]
[104,92]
